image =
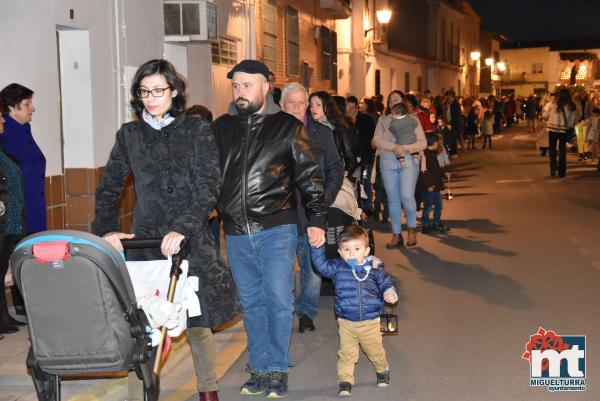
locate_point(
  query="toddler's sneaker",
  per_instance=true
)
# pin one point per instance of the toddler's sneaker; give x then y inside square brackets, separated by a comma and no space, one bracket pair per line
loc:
[256,384]
[277,387]
[345,389]
[383,379]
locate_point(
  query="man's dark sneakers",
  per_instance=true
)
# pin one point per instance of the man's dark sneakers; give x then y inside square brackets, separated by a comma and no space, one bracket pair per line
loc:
[256,384]
[427,230]
[345,389]
[305,323]
[277,387]
[383,379]
[441,228]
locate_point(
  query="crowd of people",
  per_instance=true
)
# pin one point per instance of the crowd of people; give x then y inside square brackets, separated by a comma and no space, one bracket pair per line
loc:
[289,175]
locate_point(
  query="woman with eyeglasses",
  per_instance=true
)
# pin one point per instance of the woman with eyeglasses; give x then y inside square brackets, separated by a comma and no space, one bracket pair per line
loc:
[399,179]
[173,160]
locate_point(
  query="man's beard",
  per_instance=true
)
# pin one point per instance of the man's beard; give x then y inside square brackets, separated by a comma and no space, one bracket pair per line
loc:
[250,108]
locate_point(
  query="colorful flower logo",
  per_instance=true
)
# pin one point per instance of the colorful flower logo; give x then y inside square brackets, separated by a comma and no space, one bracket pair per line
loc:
[542,341]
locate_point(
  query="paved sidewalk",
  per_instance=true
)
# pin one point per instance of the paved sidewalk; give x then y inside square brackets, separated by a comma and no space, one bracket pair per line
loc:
[178,380]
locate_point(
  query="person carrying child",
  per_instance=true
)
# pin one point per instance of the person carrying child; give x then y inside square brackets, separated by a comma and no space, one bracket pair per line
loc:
[431,183]
[361,287]
[403,127]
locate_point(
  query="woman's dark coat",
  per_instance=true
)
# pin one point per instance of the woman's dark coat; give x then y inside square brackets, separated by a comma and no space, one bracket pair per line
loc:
[176,178]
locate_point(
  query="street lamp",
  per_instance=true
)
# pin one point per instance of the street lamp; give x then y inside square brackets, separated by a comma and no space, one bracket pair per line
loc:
[383,17]
[501,66]
[489,61]
[475,55]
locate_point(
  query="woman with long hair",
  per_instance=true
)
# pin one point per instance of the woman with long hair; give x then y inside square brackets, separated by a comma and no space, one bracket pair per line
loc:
[560,114]
[324,109]
[399,179]
[174,162]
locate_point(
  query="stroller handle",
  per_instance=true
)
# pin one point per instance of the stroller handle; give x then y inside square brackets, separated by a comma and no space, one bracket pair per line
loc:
[184,246]
[141,243]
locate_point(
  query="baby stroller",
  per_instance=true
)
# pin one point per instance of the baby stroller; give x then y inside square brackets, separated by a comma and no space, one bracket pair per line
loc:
[82,310]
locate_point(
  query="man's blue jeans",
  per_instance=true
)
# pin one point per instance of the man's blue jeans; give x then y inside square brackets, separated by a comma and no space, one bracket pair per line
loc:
[430,199]
[307,302]
[400,182]
[263,270]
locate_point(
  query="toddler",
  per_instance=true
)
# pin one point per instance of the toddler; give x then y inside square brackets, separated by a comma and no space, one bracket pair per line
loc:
[403,127]
[361,286]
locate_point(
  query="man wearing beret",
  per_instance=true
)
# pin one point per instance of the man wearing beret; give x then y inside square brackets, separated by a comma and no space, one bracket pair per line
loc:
[264,157]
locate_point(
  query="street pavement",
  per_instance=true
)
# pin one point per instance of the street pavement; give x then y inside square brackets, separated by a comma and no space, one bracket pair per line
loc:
[522,253]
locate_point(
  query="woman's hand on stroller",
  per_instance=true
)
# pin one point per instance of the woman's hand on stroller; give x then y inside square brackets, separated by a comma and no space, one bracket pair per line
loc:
[170,243]
[160,312]
[114,238]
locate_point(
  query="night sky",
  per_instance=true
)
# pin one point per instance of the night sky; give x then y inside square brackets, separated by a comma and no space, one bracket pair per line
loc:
[524,20]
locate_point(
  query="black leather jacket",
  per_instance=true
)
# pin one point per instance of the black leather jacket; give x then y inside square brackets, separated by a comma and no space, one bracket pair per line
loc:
[345,144]
[263,158]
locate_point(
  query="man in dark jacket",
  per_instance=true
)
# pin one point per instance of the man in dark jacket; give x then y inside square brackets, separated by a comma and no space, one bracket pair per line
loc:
[454,120]
[264,156]
[294,100]
[365,126]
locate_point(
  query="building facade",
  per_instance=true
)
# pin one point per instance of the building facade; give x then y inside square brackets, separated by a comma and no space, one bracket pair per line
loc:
[76,57]
[539,67]
[425,46]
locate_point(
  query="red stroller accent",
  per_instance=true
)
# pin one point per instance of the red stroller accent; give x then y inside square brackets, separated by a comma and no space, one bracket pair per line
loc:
[82,311]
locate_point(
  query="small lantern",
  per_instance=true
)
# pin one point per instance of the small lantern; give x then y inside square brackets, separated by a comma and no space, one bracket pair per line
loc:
[448,195]
[388,321]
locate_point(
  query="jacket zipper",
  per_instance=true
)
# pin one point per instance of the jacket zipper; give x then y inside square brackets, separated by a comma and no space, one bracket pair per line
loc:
[244,178]
[360,314]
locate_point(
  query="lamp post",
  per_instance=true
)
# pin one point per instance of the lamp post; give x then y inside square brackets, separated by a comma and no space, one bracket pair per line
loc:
[383,17]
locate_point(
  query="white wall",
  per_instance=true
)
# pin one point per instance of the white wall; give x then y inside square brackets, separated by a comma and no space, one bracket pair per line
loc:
[76,94]
[29,42]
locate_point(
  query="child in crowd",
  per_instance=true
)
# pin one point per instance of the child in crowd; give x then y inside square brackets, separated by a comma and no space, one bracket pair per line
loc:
[442,130]
[361,286]
[431,183]
[472,128]
[487,128]
[403,127]
[593,135]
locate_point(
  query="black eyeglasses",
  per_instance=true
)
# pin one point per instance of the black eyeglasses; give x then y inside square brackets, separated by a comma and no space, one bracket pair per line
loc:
[156,92]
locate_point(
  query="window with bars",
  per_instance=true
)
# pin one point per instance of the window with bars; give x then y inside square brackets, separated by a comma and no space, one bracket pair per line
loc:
[292,34]
[325,39]
[269,34]
[224,52]
[334,73]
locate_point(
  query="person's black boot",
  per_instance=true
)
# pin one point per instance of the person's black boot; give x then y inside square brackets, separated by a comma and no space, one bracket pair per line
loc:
[305,323]
[6,328]
[15,322]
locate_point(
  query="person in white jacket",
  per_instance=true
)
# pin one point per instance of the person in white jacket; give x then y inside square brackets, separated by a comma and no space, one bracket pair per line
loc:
[560,116]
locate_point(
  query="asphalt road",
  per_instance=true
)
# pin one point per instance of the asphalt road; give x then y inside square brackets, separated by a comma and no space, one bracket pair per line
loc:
[523,252]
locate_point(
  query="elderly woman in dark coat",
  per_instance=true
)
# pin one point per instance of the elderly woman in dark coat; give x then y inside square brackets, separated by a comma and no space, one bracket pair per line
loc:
[173,159]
